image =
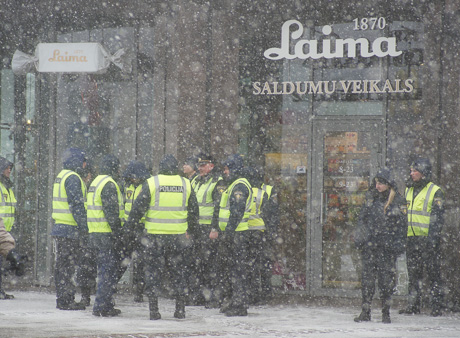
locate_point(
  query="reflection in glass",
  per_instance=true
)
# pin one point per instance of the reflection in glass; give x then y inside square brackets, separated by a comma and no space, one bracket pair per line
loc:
[346,180]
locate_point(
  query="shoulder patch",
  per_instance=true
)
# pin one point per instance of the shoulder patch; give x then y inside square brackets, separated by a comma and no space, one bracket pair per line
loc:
[439,202]
[403,209]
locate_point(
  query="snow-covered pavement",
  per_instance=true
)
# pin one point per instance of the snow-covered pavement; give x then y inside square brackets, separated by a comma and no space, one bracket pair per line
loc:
[33,314]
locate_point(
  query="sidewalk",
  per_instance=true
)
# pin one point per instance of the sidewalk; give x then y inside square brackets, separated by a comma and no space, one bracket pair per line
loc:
[34,314]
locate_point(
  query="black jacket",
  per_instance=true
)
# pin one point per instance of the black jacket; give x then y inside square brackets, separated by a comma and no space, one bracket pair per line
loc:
[109,196]
[379,230]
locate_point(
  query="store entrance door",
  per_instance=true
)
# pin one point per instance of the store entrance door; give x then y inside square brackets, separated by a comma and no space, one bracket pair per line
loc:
[346,154]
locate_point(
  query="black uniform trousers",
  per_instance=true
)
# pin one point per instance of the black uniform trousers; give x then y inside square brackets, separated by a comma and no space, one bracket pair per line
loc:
[237,266]
[67,259]
[378,265]
[205,274]
[161,251]
[255,251]
[108,260]
[87,271]
[421,261]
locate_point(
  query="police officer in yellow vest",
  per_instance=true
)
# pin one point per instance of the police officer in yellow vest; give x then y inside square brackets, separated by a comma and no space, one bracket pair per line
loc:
[257,229]
[169,205]
[135,174]
[105,216]
[204,278]
[7,207]
[425,212]
[190,168]
[70,229]
[235,207]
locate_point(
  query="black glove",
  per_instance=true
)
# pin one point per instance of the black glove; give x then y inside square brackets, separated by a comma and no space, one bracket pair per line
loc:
[17,262]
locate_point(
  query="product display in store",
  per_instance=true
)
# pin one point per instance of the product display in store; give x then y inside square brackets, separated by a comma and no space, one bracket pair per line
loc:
[346,180]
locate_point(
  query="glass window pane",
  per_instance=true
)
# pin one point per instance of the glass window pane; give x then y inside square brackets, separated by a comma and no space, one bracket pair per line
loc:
[347,163]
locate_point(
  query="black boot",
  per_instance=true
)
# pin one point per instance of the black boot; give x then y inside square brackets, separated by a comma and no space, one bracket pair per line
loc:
[69,305]
[108,313]
[4,295]
[236,311]
[365,314]
[153,308]
[180,309]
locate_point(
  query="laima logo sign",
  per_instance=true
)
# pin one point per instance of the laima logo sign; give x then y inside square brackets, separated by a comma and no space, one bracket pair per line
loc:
[305,49]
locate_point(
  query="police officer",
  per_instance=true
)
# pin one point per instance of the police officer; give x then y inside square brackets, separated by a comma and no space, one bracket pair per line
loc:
[105,215]
[425,214]
[234,211]
[256,231]
[381,237]
[70,228]
[134,176]
[170,208]
[7,207]
[205,249]
[190,168]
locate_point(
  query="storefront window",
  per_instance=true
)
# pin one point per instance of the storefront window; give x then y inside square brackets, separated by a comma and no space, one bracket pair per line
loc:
[346,180]
[6,113]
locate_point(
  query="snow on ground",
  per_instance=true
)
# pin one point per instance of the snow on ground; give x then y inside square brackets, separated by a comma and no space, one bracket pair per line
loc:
[33,314]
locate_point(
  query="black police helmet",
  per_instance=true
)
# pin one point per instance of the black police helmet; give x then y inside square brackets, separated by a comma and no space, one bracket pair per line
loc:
[423,166]
[234,163]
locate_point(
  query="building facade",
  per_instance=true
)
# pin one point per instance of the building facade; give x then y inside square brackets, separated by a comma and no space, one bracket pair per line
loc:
[320,94]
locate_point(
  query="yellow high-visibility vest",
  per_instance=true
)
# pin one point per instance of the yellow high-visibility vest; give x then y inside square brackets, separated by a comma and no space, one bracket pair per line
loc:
[204,197]
[7,206]
[268,189]
[256,221]
[130,195]
[97,221]
[169,196]
[61,210]
[419,209]
[224,212]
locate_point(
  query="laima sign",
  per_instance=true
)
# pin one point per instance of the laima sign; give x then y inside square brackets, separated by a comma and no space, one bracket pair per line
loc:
[381,46]
[70,57]
[85,57]
[330,46]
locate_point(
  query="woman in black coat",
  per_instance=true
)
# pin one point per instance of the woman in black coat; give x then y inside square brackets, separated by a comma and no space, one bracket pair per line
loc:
[380,237]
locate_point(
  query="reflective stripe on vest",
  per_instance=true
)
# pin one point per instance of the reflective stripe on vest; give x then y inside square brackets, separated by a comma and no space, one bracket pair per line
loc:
[204,197]
[61,210]
[7,207]
[97,222]
[193,181]
[169,196]
[419,210]
[130,196]
[256,221]
[224,212]
[268,189]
